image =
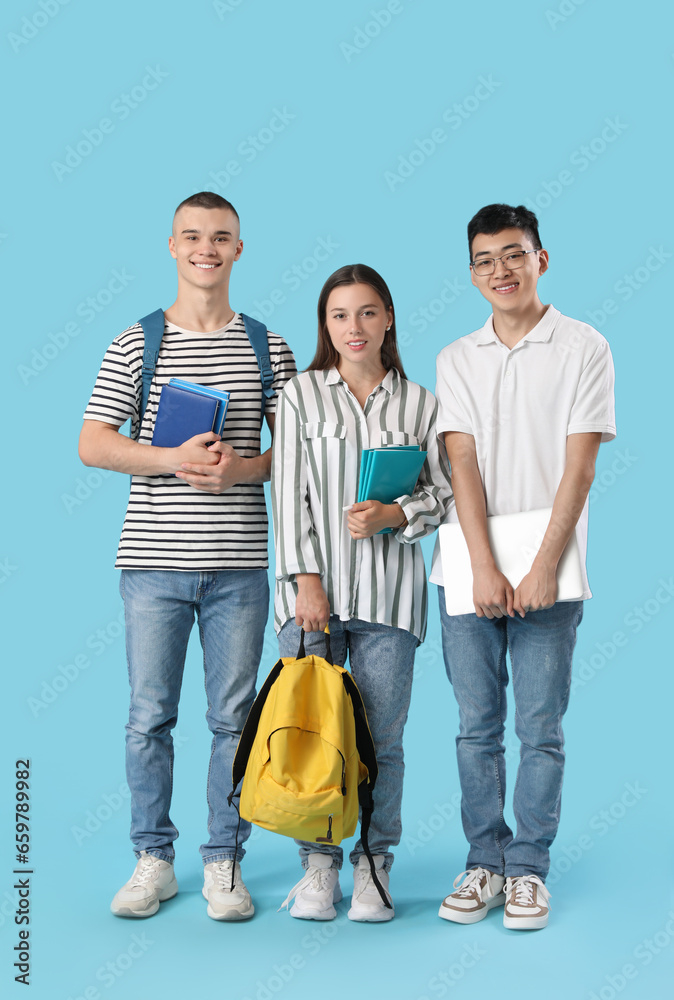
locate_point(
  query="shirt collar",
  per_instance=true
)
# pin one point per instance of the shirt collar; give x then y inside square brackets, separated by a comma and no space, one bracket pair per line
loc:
[541,333]
[390,381]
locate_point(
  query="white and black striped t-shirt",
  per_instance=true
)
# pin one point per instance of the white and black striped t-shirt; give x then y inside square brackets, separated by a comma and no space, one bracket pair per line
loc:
[168,523]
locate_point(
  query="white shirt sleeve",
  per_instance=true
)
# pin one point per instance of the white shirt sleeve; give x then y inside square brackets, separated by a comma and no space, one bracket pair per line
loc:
[451,414]
[593,408]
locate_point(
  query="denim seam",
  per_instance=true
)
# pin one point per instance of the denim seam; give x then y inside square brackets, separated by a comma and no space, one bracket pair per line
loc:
[208,708]
[502,654]
[157,854]
[170,795]
[222,856]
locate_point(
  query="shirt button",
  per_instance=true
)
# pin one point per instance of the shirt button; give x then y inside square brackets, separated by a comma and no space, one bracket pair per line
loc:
[508,372]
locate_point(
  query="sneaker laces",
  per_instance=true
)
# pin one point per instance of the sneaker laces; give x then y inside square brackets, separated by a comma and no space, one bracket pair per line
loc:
[223,875]
[315,878]
[146,870]
[471,885]
[522,889]
[362,882]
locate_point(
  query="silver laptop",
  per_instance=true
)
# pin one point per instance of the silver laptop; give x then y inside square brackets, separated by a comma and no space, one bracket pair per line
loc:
[515,540]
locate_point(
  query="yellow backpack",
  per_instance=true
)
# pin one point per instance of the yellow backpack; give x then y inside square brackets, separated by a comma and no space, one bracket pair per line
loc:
[306,754]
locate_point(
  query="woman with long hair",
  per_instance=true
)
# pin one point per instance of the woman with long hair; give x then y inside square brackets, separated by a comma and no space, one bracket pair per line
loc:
[333,564]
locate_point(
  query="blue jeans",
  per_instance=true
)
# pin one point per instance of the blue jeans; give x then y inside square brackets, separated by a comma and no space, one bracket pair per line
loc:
[541,648]
[159,607]
[381,659]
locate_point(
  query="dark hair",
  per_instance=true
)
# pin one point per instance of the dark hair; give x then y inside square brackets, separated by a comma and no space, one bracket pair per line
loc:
[206,199]
[354,274]
[493,218]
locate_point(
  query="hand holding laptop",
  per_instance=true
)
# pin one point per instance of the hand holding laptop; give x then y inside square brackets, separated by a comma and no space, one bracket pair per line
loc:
[514,540]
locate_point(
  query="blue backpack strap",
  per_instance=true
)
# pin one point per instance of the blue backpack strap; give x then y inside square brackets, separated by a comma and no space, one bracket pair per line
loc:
[257,334]
[153,330]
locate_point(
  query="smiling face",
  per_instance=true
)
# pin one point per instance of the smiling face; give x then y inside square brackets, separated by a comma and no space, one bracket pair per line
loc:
[205,243]
[356,320]
[507,290]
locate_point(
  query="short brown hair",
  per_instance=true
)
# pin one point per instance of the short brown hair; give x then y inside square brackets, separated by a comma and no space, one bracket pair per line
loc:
[207,199]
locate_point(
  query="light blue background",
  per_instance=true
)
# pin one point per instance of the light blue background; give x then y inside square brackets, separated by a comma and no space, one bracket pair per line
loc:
[556,72]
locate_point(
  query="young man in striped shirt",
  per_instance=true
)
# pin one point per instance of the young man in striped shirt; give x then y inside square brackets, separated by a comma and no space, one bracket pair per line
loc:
[524,403]
[194,541]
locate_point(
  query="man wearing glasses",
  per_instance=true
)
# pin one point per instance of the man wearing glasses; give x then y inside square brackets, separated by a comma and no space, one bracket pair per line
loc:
[524,403]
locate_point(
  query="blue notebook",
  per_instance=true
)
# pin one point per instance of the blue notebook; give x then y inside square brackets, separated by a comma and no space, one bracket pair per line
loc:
[387,473]
[186,409]
[206,390]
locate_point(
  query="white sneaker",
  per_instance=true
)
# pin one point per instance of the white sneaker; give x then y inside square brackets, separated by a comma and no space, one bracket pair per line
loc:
[152,883]
[526,903]
[366,903]
[474,898]
[225,902]
[316,893]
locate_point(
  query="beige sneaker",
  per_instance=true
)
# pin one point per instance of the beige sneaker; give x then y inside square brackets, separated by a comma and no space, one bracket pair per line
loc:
[366,903]
[317,892]
[226,902]
[152,883]
[526,903]
[479,891]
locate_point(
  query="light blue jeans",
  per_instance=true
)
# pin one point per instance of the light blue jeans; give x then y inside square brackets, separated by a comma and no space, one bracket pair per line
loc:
[381,660]
[159,606]
[541,648]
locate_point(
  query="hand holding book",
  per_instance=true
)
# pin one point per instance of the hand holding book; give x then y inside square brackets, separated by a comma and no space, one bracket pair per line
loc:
[370,517]
[389,472]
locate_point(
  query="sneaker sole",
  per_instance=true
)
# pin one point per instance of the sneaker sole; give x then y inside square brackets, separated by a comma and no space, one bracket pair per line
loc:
[525,923]
[122,910]
[329,913]
[459,917]
[378,918]
[231,914]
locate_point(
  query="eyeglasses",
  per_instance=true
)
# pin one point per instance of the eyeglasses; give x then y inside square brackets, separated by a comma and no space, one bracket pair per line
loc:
[511,261]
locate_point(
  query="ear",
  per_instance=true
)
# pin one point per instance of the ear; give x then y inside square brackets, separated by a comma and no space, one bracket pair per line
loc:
[239,249]
[543,262]
[172,247]
[472,276]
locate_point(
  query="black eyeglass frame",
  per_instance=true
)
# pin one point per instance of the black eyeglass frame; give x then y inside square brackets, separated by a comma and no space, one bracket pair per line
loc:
[511,253]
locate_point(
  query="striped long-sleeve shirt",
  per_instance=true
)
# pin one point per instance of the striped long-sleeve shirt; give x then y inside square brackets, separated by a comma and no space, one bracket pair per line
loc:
[320,433]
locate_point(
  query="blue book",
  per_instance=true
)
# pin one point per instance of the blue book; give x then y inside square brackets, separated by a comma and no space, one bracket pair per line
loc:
[390,472]
[206,390]
[181,414]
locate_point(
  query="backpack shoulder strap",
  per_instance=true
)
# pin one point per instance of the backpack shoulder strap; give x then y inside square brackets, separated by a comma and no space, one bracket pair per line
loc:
[366,752]
[364,741]
[249,730]
[153,331]
[258,336]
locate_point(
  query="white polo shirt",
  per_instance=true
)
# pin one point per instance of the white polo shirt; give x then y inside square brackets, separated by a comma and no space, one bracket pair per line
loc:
[521,404]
